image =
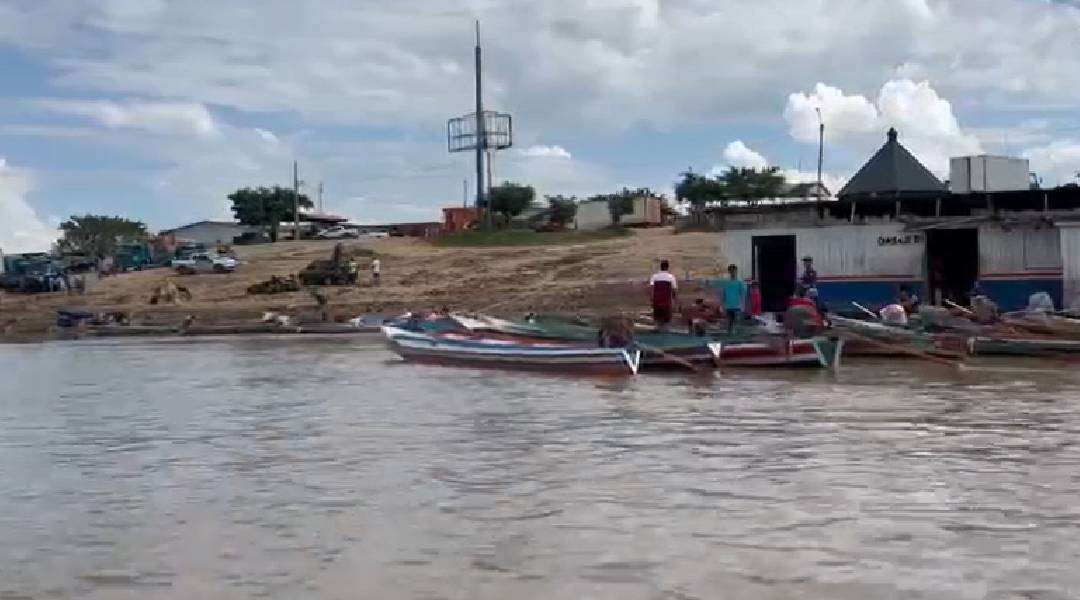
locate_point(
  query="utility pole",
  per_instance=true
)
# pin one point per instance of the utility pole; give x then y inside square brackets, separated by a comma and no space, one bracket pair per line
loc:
[481,139]
[820,150]
[490,180]
[465,193]
[320,197]
[296,200]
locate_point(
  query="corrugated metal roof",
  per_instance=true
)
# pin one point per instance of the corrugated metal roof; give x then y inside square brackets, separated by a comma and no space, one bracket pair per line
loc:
[891,172]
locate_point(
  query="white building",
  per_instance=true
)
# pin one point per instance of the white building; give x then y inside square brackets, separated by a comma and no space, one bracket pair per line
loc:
[895,224]
[210,232]
[594,214]
[977,174]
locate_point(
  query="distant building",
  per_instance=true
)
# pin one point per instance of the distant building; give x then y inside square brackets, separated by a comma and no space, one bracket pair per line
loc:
[406,229]
[811,189]
[594,214]
[896,224]
[210,232]
[458,218]
[979,174]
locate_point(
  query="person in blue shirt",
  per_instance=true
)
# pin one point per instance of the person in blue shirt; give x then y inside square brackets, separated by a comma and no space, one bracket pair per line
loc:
[732,296]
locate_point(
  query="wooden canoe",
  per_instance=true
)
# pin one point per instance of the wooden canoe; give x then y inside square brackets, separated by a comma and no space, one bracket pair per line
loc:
[467,350]
[891,341]
[1007,346]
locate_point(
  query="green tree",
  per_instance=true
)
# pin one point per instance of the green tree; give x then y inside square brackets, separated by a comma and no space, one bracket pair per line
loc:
[751,184]
[266,207]
[619,204]
[700,190]
[562,209]
[510,199]
[97,235]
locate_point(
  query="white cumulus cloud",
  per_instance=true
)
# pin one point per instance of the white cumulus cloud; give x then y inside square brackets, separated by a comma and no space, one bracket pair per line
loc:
[540,151]
[737,154]
[186,118]
[1057,162]
[21,230]
[926,121]
[557,60]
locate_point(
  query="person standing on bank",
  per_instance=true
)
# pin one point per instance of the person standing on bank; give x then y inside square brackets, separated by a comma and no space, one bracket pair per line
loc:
[663,288]
[808,279]
[376,270]
[733,296]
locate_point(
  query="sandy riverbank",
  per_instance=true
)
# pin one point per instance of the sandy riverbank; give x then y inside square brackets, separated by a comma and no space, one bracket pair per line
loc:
[589,278]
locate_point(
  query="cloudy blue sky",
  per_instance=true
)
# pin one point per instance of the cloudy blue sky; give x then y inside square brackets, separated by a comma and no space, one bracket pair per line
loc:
[156,109]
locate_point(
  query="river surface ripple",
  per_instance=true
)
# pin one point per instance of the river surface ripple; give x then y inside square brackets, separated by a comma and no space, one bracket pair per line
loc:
[294,468]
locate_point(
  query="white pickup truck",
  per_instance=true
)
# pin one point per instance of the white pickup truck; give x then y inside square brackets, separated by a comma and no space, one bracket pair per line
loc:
[204,263]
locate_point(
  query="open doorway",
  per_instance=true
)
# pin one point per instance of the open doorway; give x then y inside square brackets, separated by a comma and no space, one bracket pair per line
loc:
[774,269]
[952,264]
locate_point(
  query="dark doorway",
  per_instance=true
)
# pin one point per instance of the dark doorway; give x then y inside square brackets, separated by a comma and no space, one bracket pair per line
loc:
[952,264]
[774,269]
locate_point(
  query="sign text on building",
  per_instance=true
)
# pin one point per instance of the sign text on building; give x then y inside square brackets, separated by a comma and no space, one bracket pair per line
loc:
[899,240]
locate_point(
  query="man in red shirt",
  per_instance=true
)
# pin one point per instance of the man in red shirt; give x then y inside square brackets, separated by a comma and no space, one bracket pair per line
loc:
[663,288]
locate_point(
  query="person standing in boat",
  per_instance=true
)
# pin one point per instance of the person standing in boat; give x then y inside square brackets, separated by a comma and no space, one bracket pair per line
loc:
[664,289]
[733,296]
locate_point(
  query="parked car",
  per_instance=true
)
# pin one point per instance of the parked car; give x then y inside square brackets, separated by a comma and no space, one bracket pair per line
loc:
[375,234]
[204,263]
[337,233]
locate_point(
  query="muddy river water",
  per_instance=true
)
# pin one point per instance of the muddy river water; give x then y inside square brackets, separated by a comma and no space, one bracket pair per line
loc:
[326,468]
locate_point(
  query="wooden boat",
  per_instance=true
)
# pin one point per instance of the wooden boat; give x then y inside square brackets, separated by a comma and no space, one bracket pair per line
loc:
[464,349]
[660,350]
[337,328]
[736,350]
[877,339]
[117,330]
[1008,346]
[1046,324]
[813,352]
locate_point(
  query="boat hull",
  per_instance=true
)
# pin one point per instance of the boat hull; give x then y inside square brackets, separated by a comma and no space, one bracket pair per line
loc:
[466,351]
[991,346]
[877,339]
[813,353]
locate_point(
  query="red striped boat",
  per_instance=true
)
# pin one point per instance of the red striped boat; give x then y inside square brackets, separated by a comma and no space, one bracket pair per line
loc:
[811,352]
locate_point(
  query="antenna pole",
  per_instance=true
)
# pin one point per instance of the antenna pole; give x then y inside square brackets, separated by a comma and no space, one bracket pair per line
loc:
[481,139]
[296,201]
[820,151]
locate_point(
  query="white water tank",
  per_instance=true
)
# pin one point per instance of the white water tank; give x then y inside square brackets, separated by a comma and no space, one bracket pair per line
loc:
[974,174]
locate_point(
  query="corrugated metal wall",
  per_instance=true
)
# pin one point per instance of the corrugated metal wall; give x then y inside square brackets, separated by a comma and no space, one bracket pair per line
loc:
[1018,250]
[840,250]
[1070,254]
